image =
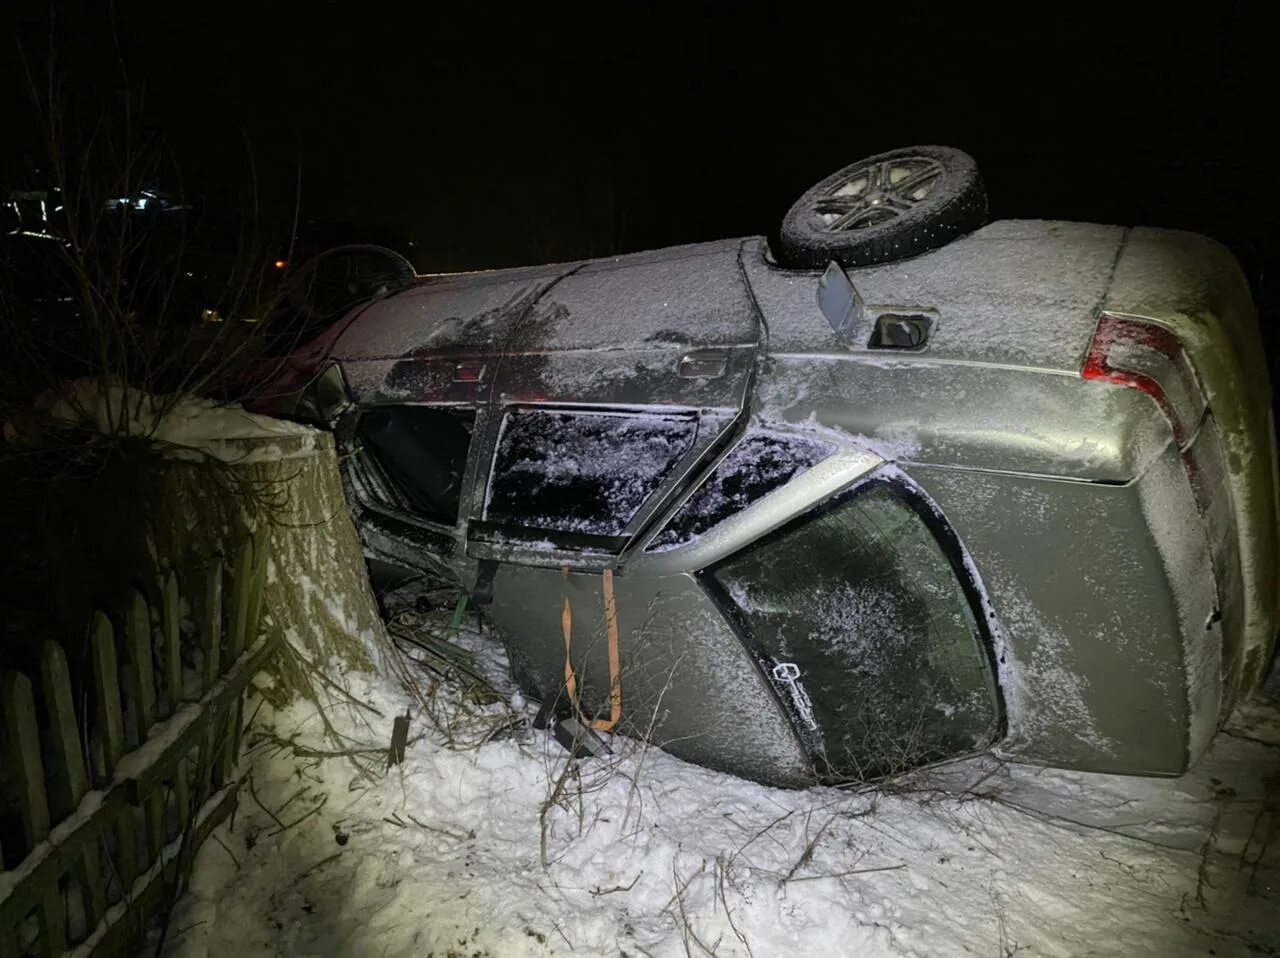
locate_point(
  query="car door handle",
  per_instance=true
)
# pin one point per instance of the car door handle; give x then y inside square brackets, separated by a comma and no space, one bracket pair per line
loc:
[703,365]
[469,371]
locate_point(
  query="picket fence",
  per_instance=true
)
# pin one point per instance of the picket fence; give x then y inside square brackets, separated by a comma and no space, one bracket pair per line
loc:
[116,792]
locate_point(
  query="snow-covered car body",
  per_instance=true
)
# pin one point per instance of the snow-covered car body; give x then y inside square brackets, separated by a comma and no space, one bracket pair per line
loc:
[1026,501]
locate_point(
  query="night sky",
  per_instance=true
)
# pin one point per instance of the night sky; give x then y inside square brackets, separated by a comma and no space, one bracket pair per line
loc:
[489,137]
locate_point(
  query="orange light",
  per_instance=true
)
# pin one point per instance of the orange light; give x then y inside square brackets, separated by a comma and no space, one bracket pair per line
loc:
[281,263]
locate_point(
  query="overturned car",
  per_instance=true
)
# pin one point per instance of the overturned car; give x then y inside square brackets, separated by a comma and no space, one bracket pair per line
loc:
[904,488]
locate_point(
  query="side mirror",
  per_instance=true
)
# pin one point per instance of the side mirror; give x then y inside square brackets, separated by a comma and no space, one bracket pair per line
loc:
[326,399]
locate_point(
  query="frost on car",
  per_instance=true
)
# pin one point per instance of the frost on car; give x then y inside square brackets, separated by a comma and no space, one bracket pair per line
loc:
[902,488]
[759,463]
[868,628]
[582,471]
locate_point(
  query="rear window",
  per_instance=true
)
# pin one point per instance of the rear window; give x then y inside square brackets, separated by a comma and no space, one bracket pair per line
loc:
[868,635]
[584,472]
[760,463]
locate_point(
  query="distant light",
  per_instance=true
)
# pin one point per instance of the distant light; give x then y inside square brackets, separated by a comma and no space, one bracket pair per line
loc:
[281,263]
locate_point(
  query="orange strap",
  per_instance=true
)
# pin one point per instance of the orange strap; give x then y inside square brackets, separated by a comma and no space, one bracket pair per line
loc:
[615,665]
[566,626]
[615,662]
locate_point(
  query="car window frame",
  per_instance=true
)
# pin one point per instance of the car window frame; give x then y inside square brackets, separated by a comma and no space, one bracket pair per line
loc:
[435,530]
[511,542]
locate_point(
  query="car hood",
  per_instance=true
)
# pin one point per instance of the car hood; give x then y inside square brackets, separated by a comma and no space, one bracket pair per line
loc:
[688,295]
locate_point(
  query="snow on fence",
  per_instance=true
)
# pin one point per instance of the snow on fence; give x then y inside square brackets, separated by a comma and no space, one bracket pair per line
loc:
[138,780]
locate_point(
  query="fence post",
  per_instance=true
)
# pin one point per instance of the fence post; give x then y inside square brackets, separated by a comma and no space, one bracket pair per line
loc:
[69,754]
[142,686]
[240,599]
[8,935]
[111,732]
[8,939]
[211,643]
[172,645]
[100,837]
[256,588]
[24,740]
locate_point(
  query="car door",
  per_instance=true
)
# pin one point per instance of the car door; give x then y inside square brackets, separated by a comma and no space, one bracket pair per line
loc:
[421,369]
[611,391]
[803,614]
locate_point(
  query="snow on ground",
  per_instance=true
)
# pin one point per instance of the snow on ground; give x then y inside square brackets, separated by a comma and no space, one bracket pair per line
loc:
[644,855]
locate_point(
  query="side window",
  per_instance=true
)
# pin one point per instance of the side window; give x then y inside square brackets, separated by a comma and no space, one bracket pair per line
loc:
[760,463]
[869,634]
[583,472]
[414,458]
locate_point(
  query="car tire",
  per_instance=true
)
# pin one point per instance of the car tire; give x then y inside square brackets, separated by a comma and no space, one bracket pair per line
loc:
[883,208]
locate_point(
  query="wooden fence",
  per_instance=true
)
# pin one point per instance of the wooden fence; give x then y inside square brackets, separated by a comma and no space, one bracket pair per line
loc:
[115,796]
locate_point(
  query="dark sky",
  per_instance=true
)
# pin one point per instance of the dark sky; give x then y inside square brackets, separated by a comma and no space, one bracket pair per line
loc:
[491,137]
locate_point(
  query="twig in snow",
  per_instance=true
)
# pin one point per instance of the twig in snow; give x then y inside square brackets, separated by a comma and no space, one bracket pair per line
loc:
[999,766]
[227,850]
[598,892]
[319,805]
[256,709]
[687,933]
[186,928]
[328,682]
[1071,824]
[728,912]
[298,794]
[304,751]
[758,834]
[550,802]
[457,836]
[852,871]
[807,855]
[318,865]
[556,926]
[254,792]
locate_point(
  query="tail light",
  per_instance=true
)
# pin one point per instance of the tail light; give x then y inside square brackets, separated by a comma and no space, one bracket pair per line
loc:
[1142,355]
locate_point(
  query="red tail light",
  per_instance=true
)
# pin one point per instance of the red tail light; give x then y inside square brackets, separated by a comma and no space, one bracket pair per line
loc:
[1145,356]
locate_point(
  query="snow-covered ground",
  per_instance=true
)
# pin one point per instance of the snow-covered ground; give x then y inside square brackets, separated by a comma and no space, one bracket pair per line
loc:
[495,851]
